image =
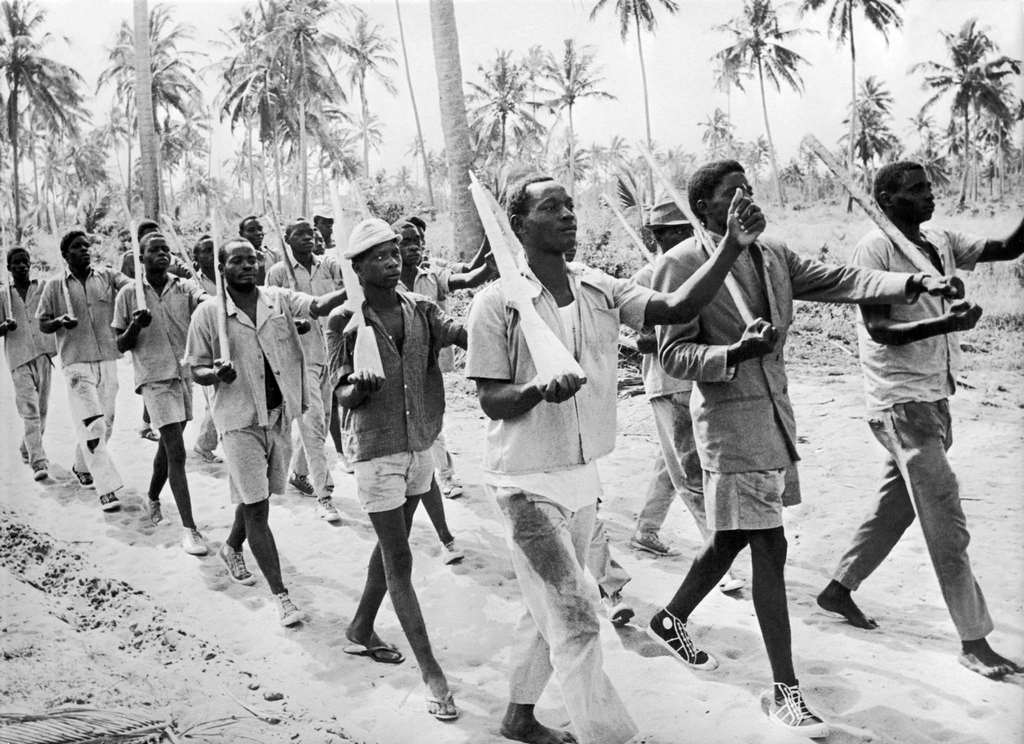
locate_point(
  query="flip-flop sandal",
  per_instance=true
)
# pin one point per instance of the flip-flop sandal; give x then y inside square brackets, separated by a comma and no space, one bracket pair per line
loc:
[443,709]
[382,654]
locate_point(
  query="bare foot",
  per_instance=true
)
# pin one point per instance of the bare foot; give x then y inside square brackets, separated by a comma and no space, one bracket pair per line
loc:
[520,724]
[979,657]
[370,641]
[836,598]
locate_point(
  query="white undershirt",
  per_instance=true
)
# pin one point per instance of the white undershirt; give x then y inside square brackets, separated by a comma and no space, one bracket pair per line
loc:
[572,488]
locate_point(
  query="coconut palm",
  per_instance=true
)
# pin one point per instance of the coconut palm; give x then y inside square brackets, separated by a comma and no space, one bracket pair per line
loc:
[882,14]
[468,231]
[875,138]
[758,46]
[173,90]
[499,107]
[421,149]
[300,49]
[973,78]
[719,135]
[368,51]
[51,91]
[640,15]
[573,77]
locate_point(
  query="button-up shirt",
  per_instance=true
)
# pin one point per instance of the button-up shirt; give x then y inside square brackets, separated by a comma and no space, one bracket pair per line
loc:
[92,303]
[160,346]
[405,414]
[657,382]
[554,436]
[322,277]
[924,370]
[243,403]
[26,342]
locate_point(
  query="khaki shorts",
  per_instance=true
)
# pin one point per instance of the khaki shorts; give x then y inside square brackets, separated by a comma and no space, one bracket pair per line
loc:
[383,483]
[168,402]
[257,459]
[744,501]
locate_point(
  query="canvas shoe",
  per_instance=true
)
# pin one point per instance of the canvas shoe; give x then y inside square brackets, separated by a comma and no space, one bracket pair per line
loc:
[617,610]
[450,553]
[156,514]
[287,612]
[207,456]
[785,706]
[84,478]
[236,565]
[326,511]
[109,502]
[451,488]
[193,542]
[40,472]
[301,484]
[651,543]
[671,633]
[730,583]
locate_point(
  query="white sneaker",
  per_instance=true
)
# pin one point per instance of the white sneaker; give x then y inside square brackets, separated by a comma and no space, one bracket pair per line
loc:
[451,554]
[287,612]
[326,511]
[730,583]
[790,711]
[194,543]
[451,488]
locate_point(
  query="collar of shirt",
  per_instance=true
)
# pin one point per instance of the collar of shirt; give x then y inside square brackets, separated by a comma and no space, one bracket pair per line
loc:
[69,275]
[172,279]
[265,307]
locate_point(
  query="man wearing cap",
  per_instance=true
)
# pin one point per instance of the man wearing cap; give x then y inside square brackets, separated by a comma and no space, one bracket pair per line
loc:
[677,468]
[155,335]
[436,284]
[259,389]
[29,357]
[325,226]
[393,420]
[548,494]
[313,275]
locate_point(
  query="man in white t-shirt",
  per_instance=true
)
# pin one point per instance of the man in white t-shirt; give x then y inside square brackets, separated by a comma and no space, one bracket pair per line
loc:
[544,437]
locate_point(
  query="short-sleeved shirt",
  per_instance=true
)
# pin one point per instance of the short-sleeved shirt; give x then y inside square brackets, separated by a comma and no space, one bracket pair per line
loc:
[92,304]
[323,277]
[433,284]
[924,370]
[554,436]
[272,343]
[160,346]
[25,342]
[405,415]
[657,382]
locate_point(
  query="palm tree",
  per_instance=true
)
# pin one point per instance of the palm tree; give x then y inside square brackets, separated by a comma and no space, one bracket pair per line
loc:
[299,49]
[718,135]
[51,91]
[468,231]
[973,77]
[172,90]
[875,139]
[415,111]
[368,51]
[879,13]
[499,107]
[640,15]
[758,46]
[573,77]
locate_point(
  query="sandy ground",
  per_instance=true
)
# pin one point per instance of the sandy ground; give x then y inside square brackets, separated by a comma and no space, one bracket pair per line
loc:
[107,611]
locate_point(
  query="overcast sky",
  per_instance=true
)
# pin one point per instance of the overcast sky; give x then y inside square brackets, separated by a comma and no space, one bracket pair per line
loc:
[679,71]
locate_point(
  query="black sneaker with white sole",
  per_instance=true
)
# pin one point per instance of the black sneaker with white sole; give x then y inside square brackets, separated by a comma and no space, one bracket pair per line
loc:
[109,502]
[670,631]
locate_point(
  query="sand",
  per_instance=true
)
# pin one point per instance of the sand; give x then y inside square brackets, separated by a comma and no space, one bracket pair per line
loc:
[106,610]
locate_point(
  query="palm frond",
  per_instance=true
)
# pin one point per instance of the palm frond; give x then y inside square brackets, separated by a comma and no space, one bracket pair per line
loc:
[79,726]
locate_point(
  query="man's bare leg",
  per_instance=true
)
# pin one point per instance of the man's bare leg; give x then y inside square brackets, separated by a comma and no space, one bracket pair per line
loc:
[768,559]
[520,724]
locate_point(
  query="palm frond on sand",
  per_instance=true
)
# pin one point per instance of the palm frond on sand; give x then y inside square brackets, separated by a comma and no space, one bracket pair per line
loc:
[80,726]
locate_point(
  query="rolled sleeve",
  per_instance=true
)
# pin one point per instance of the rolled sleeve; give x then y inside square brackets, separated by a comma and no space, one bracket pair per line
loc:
[298,302]
[199,346]
[966,249]
[631,299]
[487,356]
[51,301]
[122,311]
[339,347]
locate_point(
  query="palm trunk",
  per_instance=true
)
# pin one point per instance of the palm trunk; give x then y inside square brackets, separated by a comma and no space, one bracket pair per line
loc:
[128,188]
[966,159]
[277,170]
[768,134]
[572,156]
[853,97]
[12,130]
[467,229]
[35,172]
[303,170]
[415,110]
[647,105]
[252,168]
[366,128]
[148,141]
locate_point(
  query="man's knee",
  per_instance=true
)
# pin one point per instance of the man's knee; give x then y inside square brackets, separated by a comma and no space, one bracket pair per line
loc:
[257,514]
[768,543]
[399,562]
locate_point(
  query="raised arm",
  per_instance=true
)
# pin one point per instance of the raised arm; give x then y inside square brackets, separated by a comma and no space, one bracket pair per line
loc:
[745,223]
[1005,250]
